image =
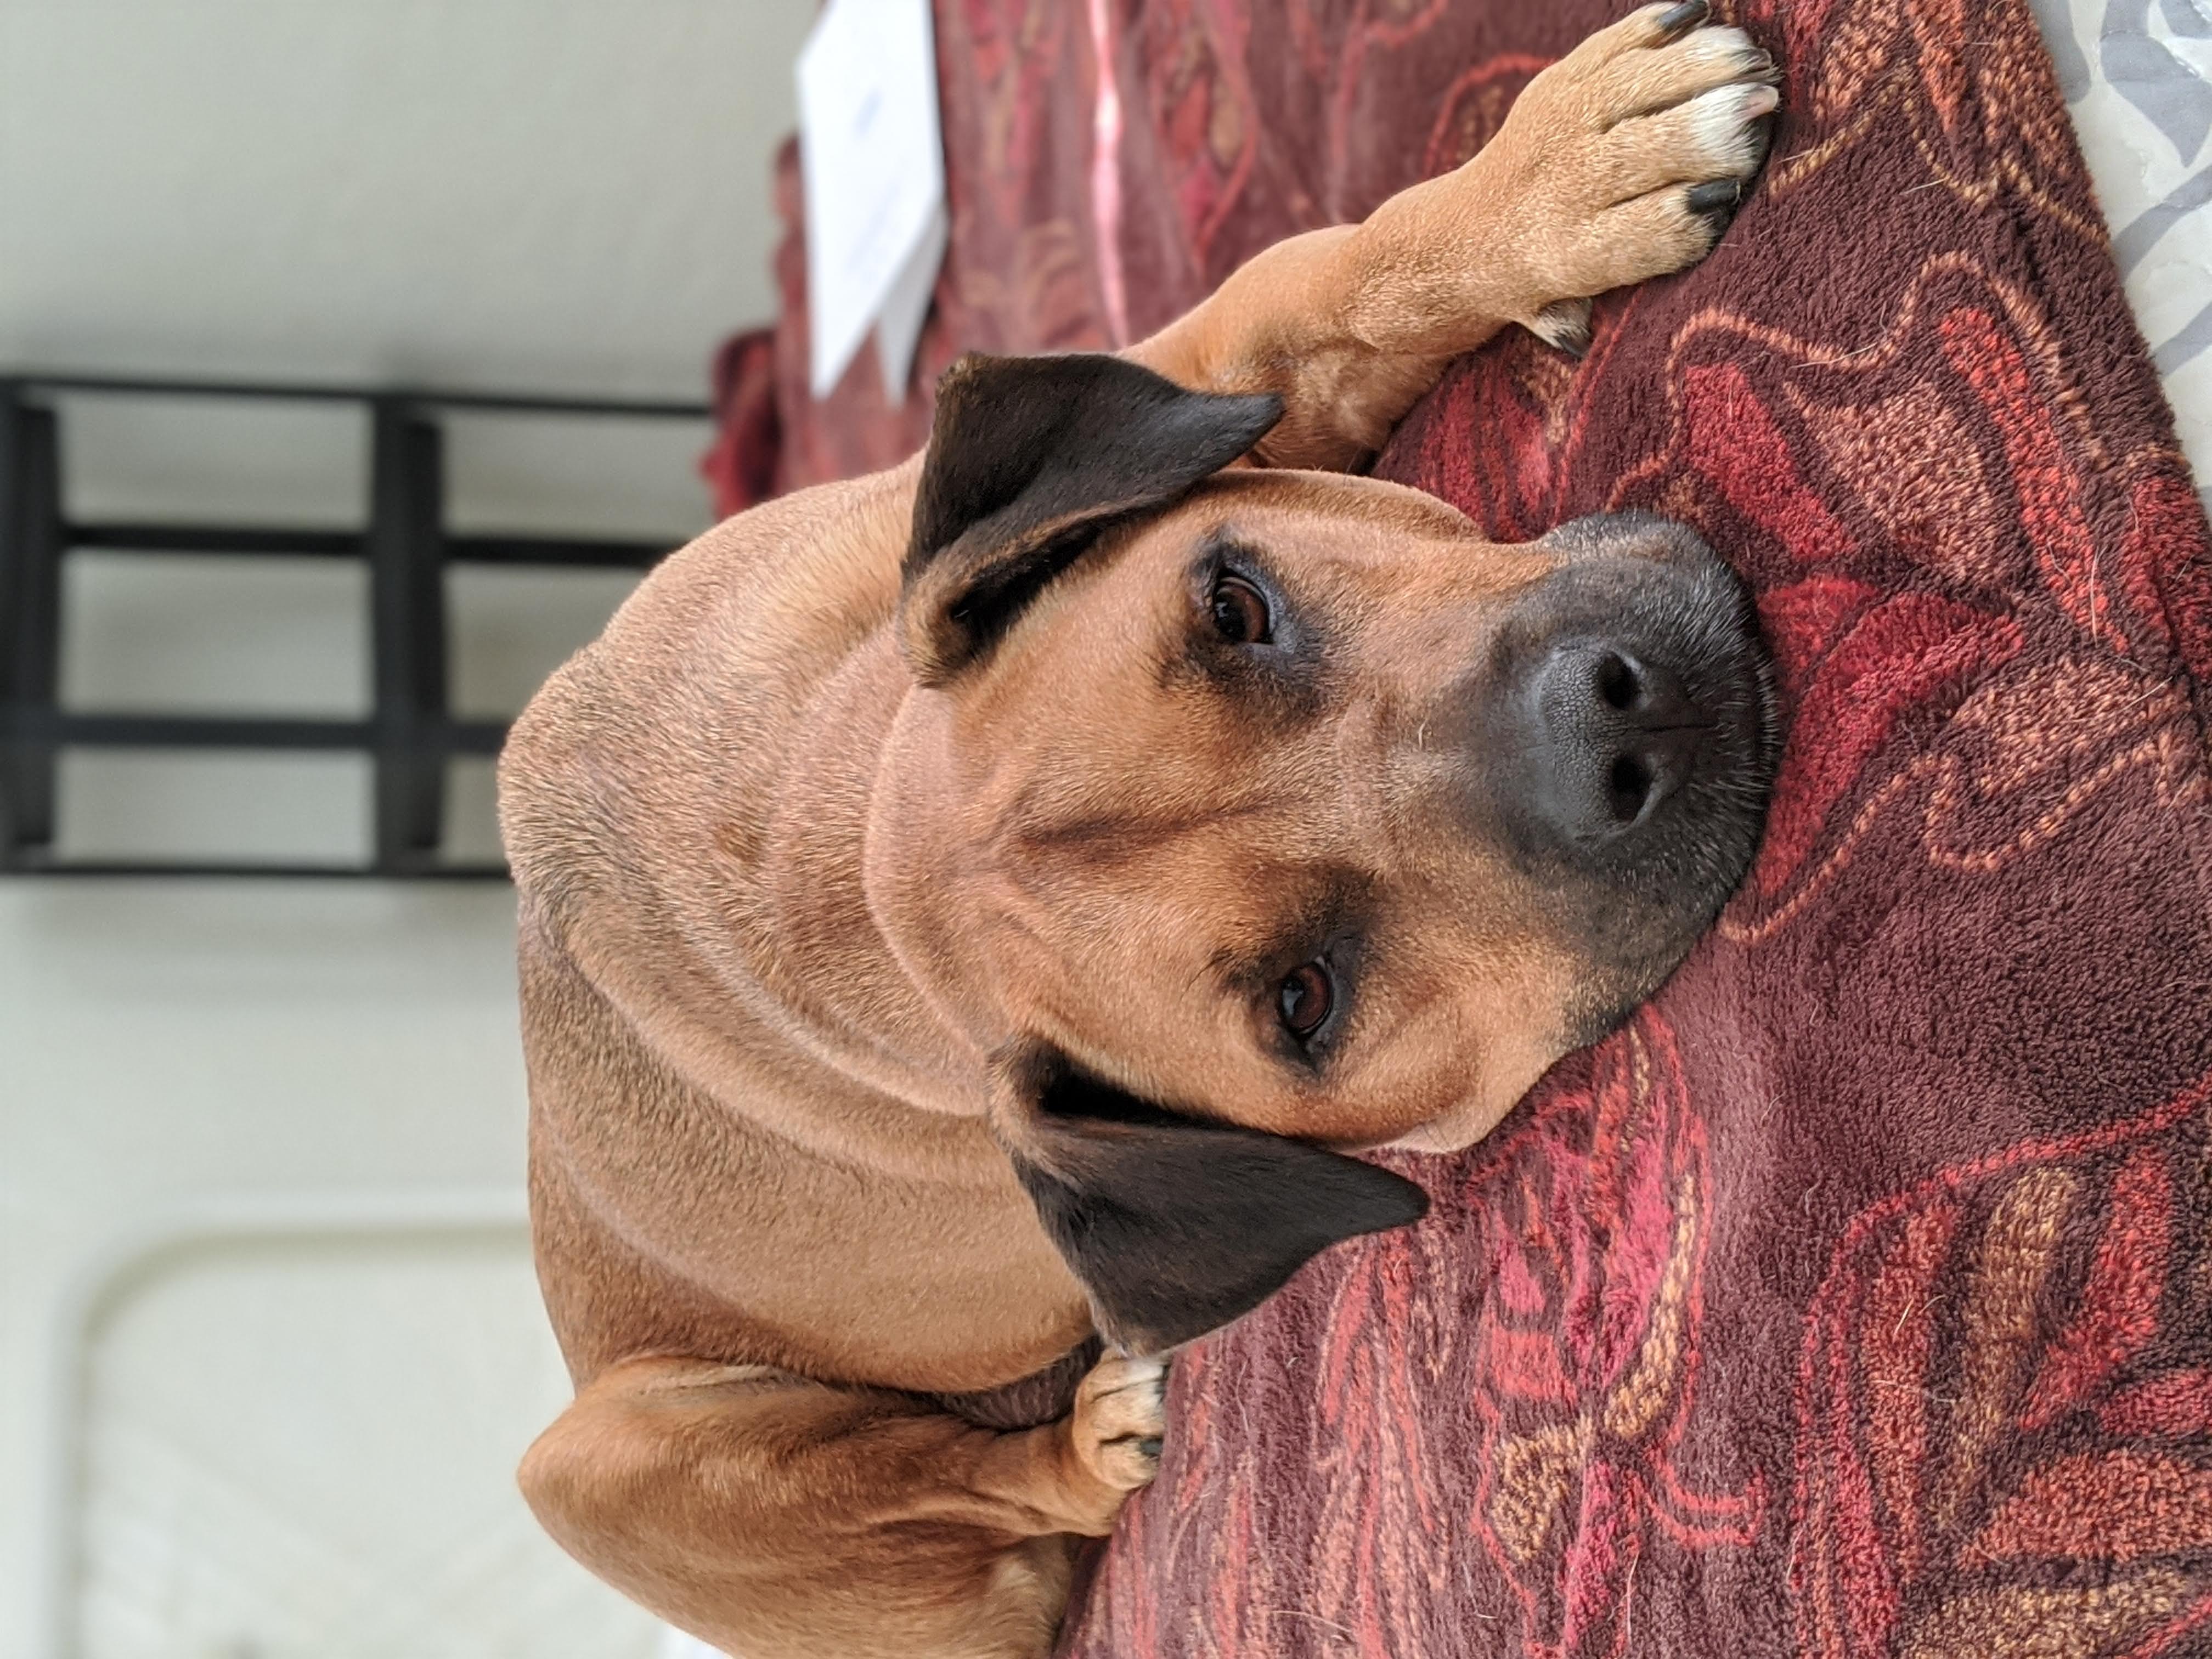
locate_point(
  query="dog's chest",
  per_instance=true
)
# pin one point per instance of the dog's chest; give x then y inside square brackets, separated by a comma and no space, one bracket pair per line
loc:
[765,1250]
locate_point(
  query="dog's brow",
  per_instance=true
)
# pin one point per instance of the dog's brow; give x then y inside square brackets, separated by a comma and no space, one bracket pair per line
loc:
[1222,547]
[1283,686]
[1224,539]
[1321,908]
[1115,838]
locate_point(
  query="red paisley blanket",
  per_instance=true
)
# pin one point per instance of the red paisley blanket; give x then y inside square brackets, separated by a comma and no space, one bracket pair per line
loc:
[1855,1300]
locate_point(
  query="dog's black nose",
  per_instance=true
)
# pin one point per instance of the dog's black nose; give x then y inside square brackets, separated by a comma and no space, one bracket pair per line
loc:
[1621,742]
[1613,735]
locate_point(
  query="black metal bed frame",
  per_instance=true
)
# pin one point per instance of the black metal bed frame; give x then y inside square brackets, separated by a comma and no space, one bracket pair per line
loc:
[408,733]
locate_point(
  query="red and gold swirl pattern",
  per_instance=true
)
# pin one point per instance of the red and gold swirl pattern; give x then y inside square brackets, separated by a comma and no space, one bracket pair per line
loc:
[1854,1303]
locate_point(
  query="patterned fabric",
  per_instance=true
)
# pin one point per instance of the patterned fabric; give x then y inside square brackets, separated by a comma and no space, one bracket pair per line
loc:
[1856,1299]
[2137,77]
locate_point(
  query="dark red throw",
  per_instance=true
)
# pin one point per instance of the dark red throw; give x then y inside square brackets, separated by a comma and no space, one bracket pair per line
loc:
[1855,1300]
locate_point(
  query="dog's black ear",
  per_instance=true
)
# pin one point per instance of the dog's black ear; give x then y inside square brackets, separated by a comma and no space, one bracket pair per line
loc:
[1174,1225]
[1029,459]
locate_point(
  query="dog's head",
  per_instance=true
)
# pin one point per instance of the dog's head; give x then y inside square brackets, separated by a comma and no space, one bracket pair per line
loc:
[1242,815]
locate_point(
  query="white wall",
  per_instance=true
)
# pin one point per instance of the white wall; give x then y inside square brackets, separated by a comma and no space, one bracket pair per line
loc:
[295,1446]
[555,193]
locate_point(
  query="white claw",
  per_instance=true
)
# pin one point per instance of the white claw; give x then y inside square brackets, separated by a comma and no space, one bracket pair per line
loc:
[1722,120]
[1564,324]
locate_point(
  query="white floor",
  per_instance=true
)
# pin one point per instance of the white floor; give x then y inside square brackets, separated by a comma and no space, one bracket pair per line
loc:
[269,1343]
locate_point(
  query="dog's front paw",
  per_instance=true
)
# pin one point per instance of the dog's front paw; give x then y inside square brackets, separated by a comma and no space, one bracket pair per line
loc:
[1626,160]
[1120,1418]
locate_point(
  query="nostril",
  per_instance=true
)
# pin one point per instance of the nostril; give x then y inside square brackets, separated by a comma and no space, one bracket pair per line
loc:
[1627,786]
[1617,681]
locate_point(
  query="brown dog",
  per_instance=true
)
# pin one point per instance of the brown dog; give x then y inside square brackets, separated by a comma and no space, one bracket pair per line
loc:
[961,909]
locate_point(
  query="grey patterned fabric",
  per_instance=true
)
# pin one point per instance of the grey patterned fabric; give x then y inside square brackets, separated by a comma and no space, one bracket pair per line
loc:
[2138,76]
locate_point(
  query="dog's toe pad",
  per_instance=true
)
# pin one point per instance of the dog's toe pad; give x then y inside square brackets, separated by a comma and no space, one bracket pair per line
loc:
[1121,1415]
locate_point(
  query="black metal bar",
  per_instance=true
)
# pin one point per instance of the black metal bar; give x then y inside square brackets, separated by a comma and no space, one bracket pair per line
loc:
[11,605]
[408,734]
[51,729]
[407,629]
[273,539]
[304,542]
[107,869]
[511,402]
[30,590]
[470,737]
[577,551]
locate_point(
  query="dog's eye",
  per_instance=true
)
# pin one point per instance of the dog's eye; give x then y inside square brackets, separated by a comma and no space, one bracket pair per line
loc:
[1305,998]
[1240,611]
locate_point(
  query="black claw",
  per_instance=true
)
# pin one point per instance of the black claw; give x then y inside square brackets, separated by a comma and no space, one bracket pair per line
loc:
[1675,19]
[1150,1445]
[1713,195]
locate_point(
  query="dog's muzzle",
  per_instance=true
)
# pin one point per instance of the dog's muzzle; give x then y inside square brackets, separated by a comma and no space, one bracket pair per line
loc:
[1626,723]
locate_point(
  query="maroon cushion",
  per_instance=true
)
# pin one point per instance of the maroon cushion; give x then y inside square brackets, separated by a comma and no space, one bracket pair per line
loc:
[1856,1299]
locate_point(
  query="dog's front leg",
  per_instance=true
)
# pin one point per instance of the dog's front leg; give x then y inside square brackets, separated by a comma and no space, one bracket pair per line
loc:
[782,1519]
[1619,162]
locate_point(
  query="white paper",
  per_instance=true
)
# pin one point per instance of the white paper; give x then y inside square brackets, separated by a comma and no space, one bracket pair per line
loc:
[873,165]
[905,308]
